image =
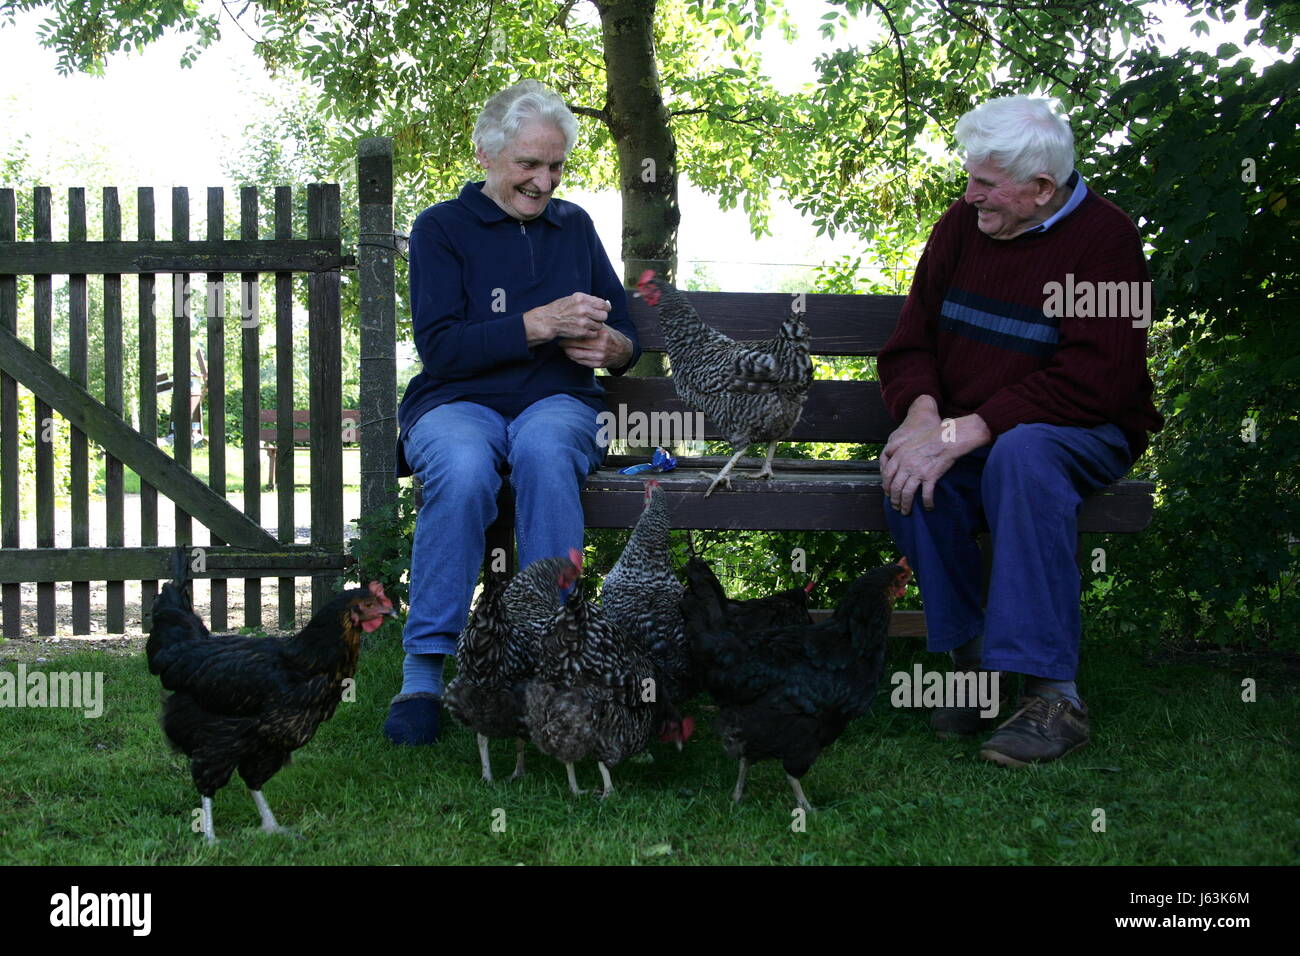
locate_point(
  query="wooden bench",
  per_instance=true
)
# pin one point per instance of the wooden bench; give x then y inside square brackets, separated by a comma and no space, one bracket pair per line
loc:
[269,434]
[199,378]
[841,495]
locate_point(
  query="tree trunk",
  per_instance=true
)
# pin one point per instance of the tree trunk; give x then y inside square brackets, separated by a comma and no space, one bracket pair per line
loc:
[647,153]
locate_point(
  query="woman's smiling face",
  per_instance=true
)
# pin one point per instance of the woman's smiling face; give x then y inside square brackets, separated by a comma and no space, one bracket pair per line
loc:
[521,178]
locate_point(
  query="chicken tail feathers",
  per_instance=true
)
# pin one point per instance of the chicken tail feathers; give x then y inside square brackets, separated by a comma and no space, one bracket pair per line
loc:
[180,567]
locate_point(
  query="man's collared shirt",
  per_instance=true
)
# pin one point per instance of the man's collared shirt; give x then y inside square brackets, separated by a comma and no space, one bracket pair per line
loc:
[1071,204]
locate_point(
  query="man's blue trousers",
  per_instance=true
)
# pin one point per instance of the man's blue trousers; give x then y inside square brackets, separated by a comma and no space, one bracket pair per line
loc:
[1025,490]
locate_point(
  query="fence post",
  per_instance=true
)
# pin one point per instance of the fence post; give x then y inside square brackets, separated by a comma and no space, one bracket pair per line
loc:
[376,266]
[10,593]
[325,366]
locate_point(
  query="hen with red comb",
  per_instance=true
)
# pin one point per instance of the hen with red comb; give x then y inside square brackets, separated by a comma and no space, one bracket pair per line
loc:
[751,391]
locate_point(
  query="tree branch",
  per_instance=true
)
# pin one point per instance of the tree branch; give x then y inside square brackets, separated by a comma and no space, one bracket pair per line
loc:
[599,114]
[735,118]
[561,19]
[478,50]
[226,7]
[902,68]
[946,7]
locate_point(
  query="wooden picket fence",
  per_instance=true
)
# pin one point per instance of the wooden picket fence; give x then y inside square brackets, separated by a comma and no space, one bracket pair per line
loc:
[240,546]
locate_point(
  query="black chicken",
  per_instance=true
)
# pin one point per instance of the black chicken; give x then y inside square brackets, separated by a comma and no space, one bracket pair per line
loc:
[786,693]
[247,703]
[705,606]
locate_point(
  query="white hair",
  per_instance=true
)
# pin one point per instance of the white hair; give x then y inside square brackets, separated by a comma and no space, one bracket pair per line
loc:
[1021,135]
[516,106]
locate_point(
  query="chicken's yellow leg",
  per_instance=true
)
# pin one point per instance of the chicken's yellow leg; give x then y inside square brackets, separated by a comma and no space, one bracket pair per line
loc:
[268,818]
[722,476]
[609,784]
[573,781]
[766,471]
[798,794]
[208,833]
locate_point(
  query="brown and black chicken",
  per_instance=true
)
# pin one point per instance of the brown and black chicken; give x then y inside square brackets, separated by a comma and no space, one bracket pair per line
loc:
[752,391]
[244,703]
[786,693]
[496,653]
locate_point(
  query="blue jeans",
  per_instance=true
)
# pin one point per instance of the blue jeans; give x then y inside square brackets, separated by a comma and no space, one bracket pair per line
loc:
[457,450]
[1026,490]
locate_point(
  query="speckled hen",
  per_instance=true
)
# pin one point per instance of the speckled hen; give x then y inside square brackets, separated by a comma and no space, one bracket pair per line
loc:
[752,391]
[642,595]
[593,693]
[496,653]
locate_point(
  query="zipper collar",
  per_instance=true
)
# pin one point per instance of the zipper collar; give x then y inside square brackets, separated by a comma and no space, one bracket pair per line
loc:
[489,212]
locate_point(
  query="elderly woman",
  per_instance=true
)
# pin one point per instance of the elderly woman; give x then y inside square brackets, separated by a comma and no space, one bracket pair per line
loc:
[514,304]
[1013,410]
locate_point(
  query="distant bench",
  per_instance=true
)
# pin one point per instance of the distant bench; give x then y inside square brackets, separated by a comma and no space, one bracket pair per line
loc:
[269,433]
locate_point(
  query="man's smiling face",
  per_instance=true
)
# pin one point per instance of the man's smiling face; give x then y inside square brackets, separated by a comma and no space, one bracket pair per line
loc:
[1007,208]
[521,178]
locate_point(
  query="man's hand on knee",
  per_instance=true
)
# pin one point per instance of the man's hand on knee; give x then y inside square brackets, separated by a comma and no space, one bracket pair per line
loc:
[922,449]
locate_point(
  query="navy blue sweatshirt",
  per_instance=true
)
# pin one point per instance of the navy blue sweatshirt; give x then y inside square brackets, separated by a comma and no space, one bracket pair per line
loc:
[475,271]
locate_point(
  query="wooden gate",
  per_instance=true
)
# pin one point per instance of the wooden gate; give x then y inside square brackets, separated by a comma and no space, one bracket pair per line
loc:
[240,547]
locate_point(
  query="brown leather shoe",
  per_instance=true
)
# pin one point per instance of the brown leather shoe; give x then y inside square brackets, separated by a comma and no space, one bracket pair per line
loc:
[1041,729]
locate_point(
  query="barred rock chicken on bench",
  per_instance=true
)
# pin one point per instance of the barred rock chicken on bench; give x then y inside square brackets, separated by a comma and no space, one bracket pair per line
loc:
[752,391]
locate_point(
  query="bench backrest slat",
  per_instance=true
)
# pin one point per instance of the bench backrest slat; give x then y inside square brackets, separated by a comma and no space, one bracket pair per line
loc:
[840,324]
[834,412]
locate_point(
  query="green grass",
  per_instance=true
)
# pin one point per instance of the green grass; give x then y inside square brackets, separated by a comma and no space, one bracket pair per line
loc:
[1186,774]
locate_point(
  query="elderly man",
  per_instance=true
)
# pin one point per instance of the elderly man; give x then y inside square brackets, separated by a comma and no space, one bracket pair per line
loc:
[1013,410]
[514,303]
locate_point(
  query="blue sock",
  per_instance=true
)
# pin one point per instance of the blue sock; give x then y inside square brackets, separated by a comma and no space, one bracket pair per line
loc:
[422,674]
[967,656]
[1060,688]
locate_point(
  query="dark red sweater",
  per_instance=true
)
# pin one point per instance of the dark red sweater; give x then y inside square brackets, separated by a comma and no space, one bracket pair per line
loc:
[974,333]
